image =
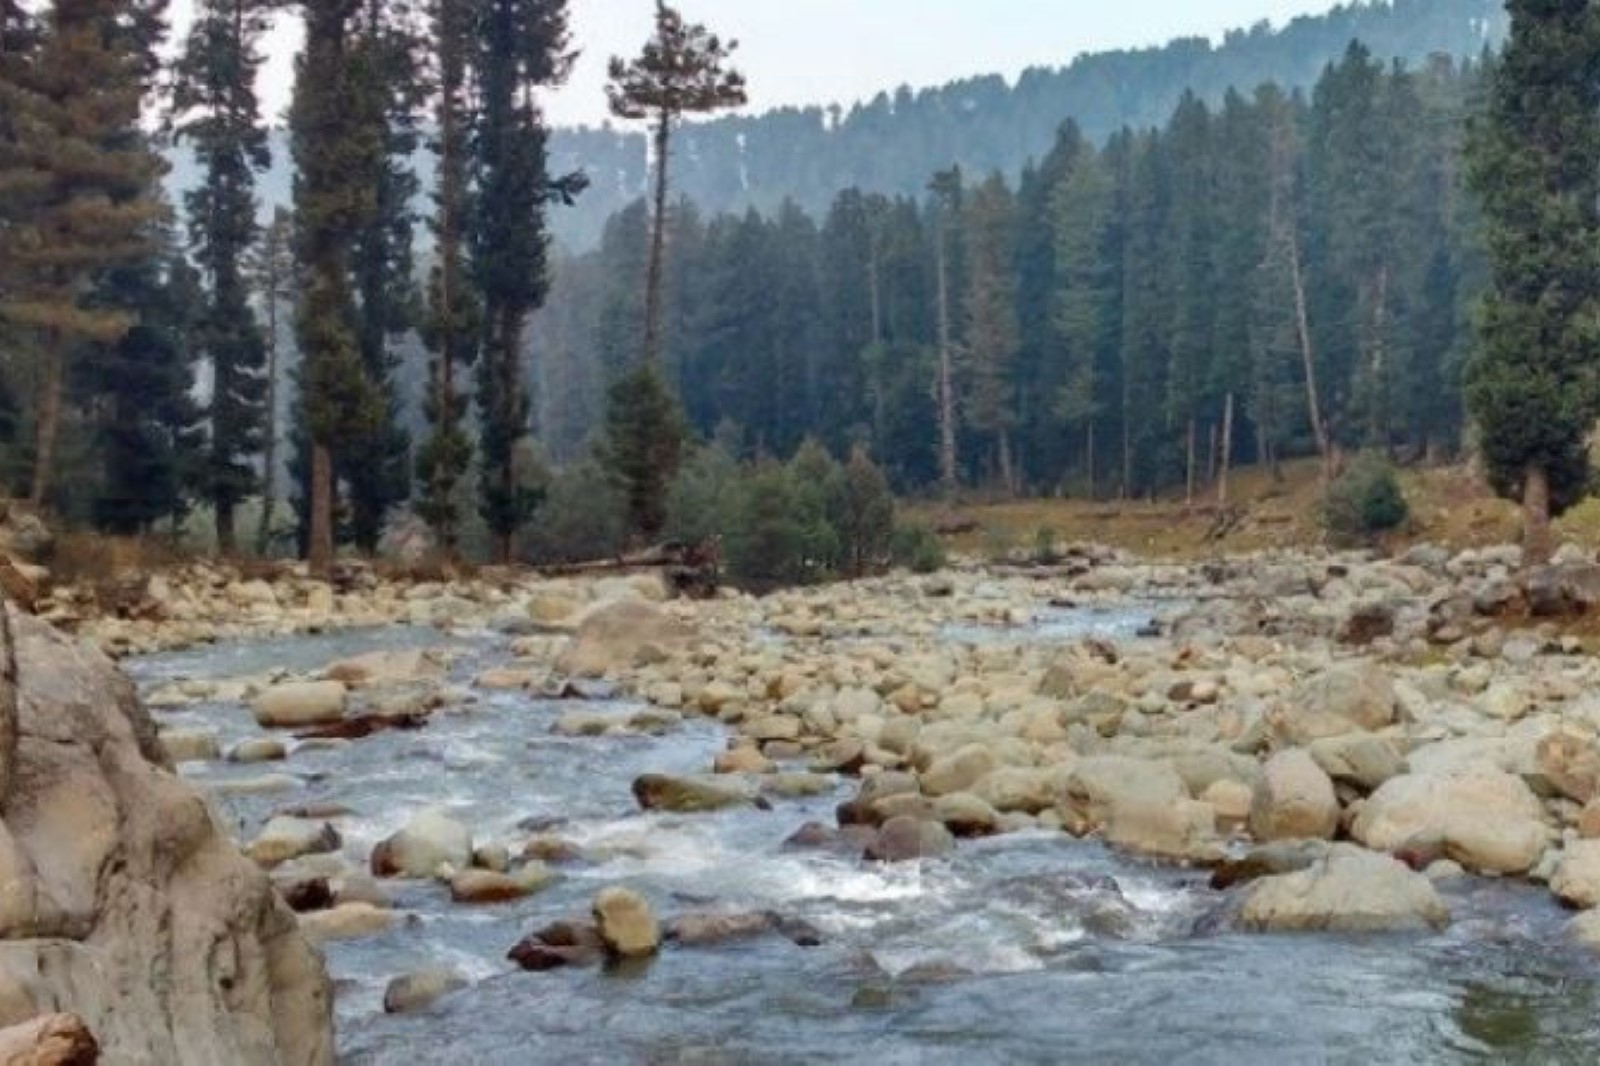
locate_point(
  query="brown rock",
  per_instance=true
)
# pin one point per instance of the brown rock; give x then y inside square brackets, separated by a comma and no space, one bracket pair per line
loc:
[1571,764]
[49,1040]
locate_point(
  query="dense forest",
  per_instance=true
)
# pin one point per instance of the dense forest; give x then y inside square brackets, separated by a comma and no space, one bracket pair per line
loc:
[889,144]
[1260,273]
[1098,314]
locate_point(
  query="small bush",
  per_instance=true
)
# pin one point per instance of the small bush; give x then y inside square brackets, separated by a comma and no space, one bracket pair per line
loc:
[1364,501]
[583,517]
[1045,552]
[917,548]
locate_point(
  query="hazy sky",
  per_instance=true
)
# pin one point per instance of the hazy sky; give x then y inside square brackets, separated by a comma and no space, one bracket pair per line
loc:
[820,51]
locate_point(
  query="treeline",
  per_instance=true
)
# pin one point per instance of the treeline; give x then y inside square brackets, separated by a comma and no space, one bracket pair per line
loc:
[1307,261]
[891,143]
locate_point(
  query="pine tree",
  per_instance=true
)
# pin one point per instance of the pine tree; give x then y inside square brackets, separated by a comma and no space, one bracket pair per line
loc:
[271,272]
[339,404]
[643,445]
[150,439]
[681,71]
[78,181]
[215,110]
[1081,217]
[947,205]
[992,330]
[522,45]
[1535,165]
[452,325]
[388,95]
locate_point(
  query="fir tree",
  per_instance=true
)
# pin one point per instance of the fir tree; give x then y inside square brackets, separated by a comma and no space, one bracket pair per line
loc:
[271,271]
[1535,165]
[339,405]
[682,71]
[78,180]
[451,327]
[386,102]
[215,110]
[522,45]
[643,445]
[992,330]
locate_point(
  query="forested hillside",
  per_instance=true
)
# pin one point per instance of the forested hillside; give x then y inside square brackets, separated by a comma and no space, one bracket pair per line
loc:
[892,142]
[1099,313]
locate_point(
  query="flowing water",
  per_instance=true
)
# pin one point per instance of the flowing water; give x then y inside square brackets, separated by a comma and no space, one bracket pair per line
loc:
[1032,948]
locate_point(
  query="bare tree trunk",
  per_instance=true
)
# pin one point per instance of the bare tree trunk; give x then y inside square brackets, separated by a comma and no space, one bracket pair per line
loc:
[1089,457]
[227,538]
[1227,452]
[1189,442]
[658,240]
[48,427]
[947,399]
[319,549]
[1538,541]
[1008,476]
[1308,358]
[269,458]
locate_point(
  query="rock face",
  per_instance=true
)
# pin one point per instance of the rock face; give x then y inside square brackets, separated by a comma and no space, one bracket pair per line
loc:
[1349,890]
[621,635]
[1486,820]
[119,899]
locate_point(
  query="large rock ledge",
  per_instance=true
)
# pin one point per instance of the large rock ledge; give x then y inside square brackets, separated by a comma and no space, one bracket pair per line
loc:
[120,901]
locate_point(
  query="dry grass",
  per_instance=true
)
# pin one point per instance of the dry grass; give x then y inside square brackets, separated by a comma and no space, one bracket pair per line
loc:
[1449,506]
[93,558]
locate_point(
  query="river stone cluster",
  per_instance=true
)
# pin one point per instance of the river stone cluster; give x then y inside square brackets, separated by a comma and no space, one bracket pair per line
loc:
[1335,736]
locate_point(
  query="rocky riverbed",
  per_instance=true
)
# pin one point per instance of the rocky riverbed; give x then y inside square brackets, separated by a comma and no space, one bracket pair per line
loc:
[918,815]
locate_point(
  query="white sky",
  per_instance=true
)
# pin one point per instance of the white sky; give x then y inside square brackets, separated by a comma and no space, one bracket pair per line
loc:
[824,51]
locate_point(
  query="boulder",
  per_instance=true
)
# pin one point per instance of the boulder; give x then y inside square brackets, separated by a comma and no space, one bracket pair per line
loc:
[1361,760]
[625,923]
[380,669]
[1585,929]
[190,745]
[1571,764]
[700,929]
[258,750]
[742,760]
[122,902]
[49,1040]
[691,795]
[965,815]
[300,703]
[1017,788]
[347,921]
[1487,820]
[431,841]
[1138,804]
[285,838]
[554,612]
[620,636]
[557,945]
[413,992]
[1349,890]
[958,771]
[1577,878]
[490,886]
[904,839]
[1342,699]
[1294,800]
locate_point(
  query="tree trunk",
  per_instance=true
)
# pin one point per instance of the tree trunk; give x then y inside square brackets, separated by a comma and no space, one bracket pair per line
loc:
[1538,542]
[269,459]
[227,538]
[48,427]
[1189,449]
[319,547]
[658,240]
[1227,452]
[1008,476]
[947,399]
[1308,358]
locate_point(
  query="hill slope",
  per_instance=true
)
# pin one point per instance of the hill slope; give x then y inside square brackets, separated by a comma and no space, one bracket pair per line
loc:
[892,143]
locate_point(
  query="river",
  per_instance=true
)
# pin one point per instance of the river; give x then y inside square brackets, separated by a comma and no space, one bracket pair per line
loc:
[1030,948]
